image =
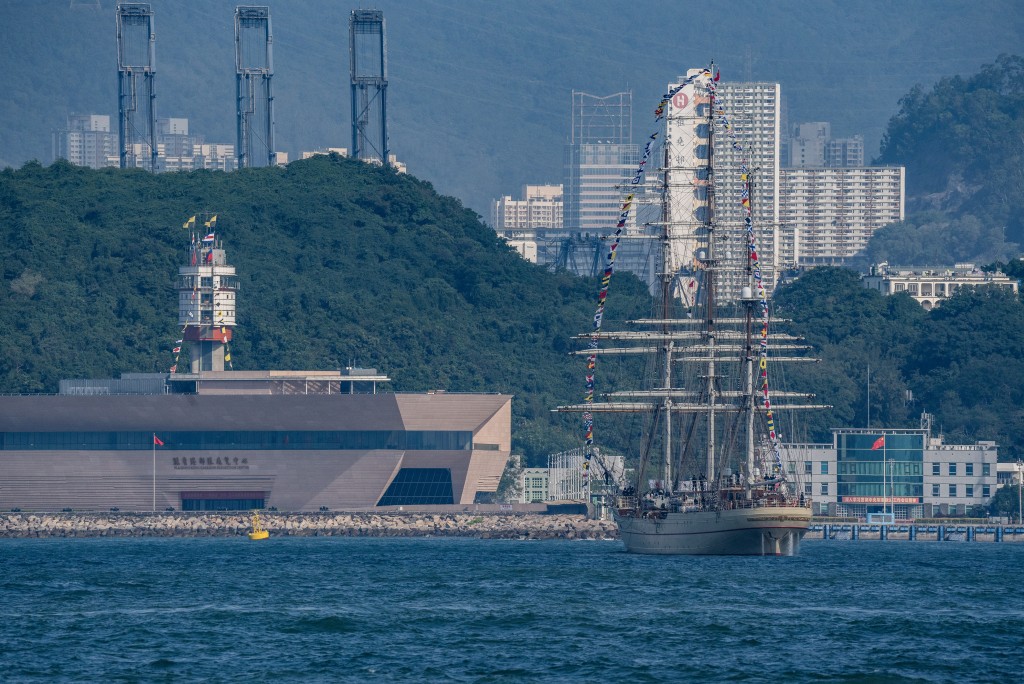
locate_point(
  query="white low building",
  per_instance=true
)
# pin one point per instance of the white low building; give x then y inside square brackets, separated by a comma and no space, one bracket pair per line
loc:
[930,286]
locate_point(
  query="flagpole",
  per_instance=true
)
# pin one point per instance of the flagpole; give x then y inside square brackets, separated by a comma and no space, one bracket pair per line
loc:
[154,472]
[883,476]
[885,464]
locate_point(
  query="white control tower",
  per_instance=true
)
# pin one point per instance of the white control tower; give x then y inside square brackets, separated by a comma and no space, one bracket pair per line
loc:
[206,286]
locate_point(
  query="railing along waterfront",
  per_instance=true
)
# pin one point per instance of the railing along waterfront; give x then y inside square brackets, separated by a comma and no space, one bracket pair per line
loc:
[954,531]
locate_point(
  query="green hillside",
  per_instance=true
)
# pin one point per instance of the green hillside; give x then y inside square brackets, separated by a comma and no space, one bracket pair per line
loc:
[340,262]
[962,142]
[345,263]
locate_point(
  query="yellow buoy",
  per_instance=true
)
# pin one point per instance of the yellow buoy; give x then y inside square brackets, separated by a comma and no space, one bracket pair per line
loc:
[258,531]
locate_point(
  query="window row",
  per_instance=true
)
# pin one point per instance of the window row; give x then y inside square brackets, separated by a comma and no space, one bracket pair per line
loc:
[953,491]
[951,469]
[255,440]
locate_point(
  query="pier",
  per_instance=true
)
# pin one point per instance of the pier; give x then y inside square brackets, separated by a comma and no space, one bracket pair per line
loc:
[946,531]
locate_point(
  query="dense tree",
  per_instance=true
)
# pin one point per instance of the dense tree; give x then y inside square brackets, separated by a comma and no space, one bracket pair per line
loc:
[932,238]
[861,338]
[962,142]
[340,262]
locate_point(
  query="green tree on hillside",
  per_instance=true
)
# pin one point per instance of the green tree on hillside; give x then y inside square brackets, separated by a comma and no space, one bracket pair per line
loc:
[340,262]
[963,145]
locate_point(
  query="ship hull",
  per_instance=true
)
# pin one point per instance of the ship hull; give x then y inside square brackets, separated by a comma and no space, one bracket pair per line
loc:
[763,531]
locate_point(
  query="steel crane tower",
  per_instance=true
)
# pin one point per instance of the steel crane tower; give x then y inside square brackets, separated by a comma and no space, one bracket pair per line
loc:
[136,56]
[368,65]
[254,96]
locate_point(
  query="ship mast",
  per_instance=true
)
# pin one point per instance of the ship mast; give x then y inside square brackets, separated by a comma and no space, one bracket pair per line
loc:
[667,277]
[747,295]
[710,284]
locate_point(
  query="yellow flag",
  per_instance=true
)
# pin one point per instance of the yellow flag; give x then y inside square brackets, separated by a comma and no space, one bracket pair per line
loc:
[191,223]
[213,221]
[227,357]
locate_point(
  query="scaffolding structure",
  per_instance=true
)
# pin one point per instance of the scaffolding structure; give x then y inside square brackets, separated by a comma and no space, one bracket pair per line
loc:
[369,75]
[254,95]
[136,102]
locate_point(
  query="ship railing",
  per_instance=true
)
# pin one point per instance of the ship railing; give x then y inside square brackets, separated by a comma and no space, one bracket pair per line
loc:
[772,502]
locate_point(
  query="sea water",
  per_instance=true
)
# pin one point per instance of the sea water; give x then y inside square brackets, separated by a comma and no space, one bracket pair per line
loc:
[469,610]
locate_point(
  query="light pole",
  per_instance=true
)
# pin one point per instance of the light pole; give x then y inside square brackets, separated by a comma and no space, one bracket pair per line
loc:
[1020,485]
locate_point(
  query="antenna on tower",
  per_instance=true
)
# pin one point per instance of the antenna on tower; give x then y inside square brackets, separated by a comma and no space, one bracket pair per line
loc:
[254,97]
[136,56]
[368,66]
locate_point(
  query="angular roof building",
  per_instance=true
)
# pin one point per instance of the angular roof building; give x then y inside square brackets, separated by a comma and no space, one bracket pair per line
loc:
[294,452]
[210,439]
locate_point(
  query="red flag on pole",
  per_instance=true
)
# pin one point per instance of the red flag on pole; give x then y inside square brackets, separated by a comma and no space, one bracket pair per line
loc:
[157,441]
[879,443]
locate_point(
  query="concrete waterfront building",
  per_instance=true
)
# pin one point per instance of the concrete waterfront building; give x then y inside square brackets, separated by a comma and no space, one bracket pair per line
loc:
[828,215]
[215,439]
[87,141]
[535,483]
[294,452]
[866,472]
[930,287]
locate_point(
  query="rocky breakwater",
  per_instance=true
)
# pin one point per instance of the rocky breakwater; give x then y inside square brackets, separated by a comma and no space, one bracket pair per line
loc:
[481,526]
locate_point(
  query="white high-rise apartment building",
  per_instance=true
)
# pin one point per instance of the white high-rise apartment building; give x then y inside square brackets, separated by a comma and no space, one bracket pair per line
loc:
[809,143]
[531,221]
[539,209]
[827,215]
[754,111]
[87,141]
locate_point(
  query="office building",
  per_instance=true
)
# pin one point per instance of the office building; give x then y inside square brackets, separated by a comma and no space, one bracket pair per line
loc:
[866,472]
[600,160]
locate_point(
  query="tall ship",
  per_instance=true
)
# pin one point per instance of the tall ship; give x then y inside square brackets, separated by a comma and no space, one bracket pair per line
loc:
[710,477]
